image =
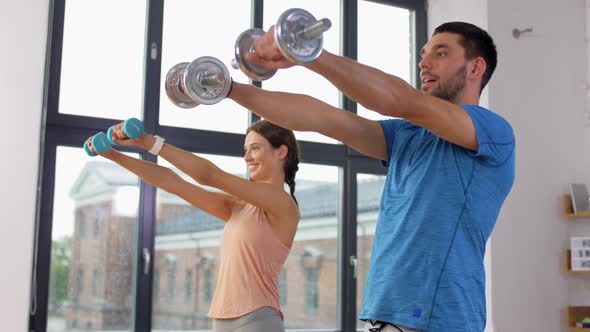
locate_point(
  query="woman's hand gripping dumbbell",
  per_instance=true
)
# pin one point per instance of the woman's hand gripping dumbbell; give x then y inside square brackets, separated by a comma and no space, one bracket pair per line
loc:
[129,129]
[127,133]
[96,144]
[297,38]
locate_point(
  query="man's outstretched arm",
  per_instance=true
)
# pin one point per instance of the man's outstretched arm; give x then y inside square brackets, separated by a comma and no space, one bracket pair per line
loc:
[305,113]
[378,91]
[391,96]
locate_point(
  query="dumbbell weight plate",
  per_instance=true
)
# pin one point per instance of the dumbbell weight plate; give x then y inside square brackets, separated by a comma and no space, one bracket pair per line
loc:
[207,80]
[99,142]
[174,87]
[293,46]
[133,128]
[242,47]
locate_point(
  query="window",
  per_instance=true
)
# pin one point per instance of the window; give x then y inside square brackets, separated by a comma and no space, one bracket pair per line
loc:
[312,291]
[95,281]
[156,295]
[208,293]
[90,207]
[171,285]
[82,228]
[317,190]
[110,54]
[188,286]
[183,19]
[101,214]
[80,286]
[96,222]
[370,188]
[61,290]
[300,80]
[85,189]
[96,228]
[391,55]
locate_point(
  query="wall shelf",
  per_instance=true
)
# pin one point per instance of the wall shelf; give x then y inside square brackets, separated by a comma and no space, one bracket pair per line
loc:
[568,265]
[576,314]
[568,209]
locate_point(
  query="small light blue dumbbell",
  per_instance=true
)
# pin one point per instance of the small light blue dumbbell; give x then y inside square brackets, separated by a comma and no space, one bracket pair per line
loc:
[99,142]
[133,128]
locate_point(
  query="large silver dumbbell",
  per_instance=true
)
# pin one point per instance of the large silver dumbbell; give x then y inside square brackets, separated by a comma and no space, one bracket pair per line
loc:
[242,47]
[206,80]
[298,35]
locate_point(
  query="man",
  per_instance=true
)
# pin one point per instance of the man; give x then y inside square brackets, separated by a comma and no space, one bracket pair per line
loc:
[450,167]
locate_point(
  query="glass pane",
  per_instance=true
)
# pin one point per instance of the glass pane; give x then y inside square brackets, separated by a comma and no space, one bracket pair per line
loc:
[191,32]
[103,58]
[370,188]
[186,260]
[392,55]
[311,271]
[93,244]
[300,80]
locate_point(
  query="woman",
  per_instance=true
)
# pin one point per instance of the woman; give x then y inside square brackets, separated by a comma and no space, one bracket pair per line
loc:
[261,218]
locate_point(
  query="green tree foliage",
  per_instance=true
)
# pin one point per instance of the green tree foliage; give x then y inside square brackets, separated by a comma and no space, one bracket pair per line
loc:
[61,253]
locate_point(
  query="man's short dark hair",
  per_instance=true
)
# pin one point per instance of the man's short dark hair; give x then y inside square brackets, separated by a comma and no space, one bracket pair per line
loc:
[477,42]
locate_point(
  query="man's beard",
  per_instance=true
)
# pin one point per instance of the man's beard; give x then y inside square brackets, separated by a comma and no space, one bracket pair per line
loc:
[450,89]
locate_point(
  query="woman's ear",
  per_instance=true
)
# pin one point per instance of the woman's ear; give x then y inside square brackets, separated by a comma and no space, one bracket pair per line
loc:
[283,151]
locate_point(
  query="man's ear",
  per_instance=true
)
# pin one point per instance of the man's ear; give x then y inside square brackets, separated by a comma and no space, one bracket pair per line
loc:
[478,68]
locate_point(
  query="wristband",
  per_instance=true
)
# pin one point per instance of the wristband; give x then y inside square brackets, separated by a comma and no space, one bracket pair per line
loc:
[158,144]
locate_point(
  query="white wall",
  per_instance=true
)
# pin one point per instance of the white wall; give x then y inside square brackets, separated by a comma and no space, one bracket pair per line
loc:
[23,30]
[539,87]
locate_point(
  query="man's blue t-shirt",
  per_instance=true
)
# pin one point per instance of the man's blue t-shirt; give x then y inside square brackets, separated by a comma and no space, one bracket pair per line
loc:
[439,205]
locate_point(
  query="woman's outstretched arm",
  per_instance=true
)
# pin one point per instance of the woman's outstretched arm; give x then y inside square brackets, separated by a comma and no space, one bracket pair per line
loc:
[219,205]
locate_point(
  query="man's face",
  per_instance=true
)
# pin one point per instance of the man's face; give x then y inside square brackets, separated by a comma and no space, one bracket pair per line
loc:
[443,68]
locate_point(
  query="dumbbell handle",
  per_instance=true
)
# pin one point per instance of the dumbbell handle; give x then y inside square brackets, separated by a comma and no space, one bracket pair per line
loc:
[316,29]
[207,79]
[310,31]
[298,36]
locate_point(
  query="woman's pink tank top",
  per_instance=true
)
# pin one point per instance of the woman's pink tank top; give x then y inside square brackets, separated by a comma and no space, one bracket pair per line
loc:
[251,259]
